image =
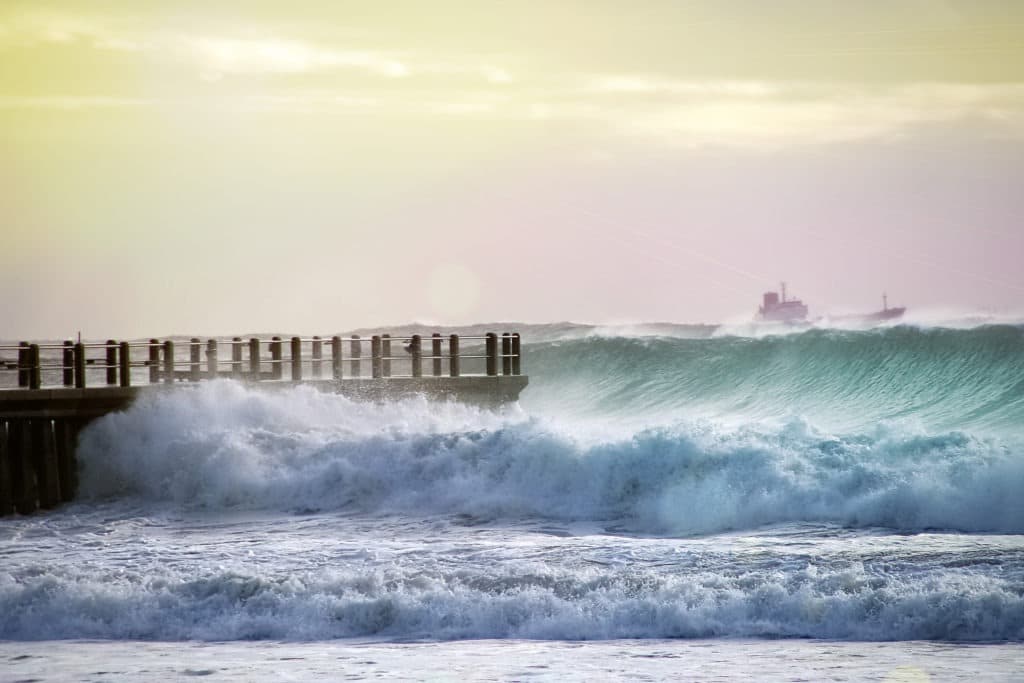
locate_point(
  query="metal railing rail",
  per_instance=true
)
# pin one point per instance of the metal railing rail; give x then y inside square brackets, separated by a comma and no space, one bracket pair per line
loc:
[332,357]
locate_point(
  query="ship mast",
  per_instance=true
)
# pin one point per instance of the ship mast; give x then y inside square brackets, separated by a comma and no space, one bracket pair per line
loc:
[783,292]
[885,301]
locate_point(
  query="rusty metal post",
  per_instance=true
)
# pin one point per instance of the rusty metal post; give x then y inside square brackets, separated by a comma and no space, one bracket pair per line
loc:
[124,364]
[506,353]
[435,351]
[336,357]
[416,349]
[212,362]
[492,354]
[195,360]
[317,354]
[79,365]
[385,353]
[296,356]
[453,355]
[154,361]
[23,364]
[277,356]
[68,364]
[356,351]
[254,359]
[517,354]
[111,361]
[375,365]
[236,357]
[35,374]
[169,362]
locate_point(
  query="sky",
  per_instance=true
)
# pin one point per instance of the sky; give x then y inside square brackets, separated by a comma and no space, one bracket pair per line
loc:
[228,167]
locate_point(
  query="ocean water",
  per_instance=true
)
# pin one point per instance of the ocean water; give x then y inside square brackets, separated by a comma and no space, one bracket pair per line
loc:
[664,502]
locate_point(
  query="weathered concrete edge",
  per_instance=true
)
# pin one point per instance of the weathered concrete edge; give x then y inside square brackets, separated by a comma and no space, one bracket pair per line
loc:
[96,401]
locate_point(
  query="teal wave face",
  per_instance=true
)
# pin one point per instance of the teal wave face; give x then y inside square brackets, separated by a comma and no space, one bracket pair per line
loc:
[941,378]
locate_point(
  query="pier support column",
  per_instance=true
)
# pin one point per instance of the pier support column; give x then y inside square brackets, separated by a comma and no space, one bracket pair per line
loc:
[44,456]
[23,476]
[6,494]
[66,435]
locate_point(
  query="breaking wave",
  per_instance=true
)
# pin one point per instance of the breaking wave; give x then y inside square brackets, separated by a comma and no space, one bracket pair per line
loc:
[222,445]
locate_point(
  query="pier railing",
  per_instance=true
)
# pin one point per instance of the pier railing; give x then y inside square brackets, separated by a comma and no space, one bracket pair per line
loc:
[134,363]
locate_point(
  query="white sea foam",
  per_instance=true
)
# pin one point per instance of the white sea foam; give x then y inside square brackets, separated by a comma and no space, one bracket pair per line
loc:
[515,600]
[225,446]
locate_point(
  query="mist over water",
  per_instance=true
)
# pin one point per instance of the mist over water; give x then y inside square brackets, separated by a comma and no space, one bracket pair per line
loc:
[652,482]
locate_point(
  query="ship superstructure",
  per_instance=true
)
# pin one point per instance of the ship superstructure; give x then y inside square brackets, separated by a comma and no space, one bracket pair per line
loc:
[776,308]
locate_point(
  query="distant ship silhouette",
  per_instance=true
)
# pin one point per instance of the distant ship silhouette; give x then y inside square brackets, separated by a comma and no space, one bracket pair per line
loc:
[778,308]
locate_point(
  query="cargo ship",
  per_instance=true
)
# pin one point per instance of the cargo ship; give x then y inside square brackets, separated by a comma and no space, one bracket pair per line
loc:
[878,316]
[776,308]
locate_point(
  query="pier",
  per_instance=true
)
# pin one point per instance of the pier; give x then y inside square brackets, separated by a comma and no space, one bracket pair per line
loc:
[50,392]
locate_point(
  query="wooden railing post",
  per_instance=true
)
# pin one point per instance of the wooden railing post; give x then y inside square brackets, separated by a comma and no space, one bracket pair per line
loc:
[517,354]
[506,353]
[23,364]
[80,365]
[453,355]
[124,364]
[168,362]
[212,362]
[375,368]
[35,378]
[111,362]
[492,354]
[254,359]
[276,355]
[385,353]
[416,349]
[236,357]
[296,355]
[317,354]
[435,351]
[154,361]
[195,360]
[356,351]
[68,364]
[336,357]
